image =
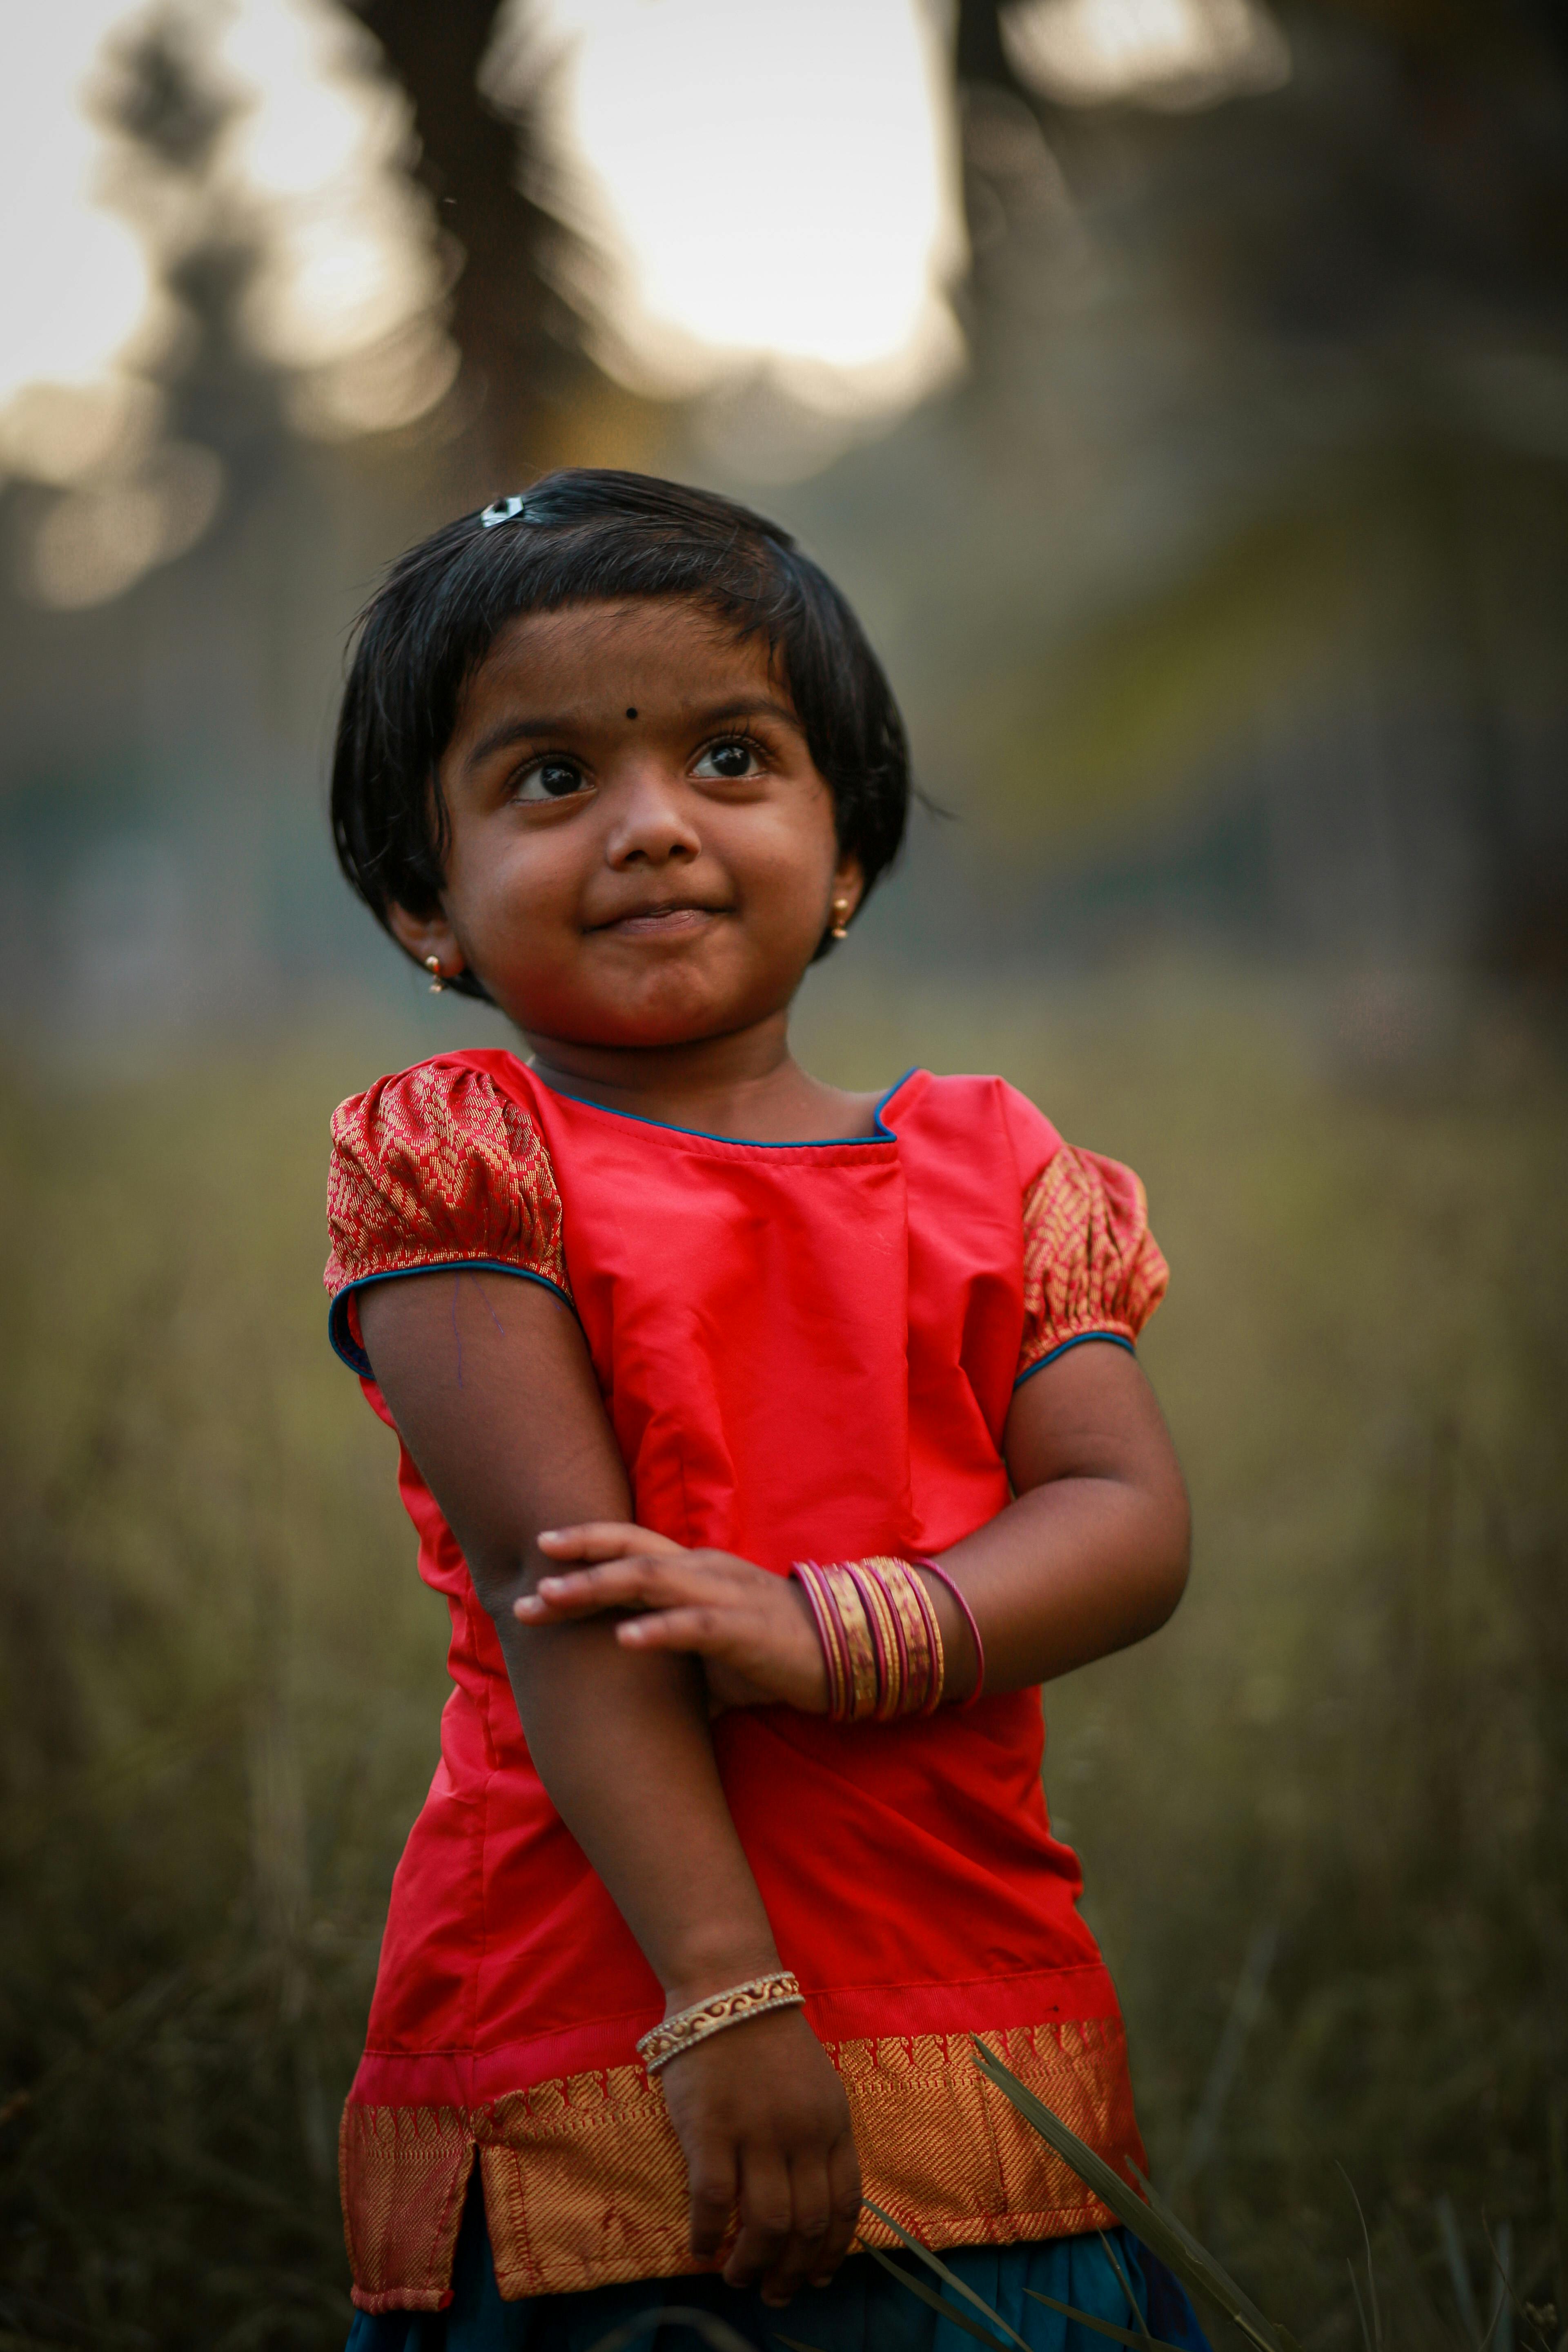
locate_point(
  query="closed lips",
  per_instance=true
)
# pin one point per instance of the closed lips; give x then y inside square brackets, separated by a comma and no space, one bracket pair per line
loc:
[675,910]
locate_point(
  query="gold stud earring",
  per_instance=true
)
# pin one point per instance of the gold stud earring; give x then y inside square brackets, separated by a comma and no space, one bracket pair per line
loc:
[437,984]
[840,928]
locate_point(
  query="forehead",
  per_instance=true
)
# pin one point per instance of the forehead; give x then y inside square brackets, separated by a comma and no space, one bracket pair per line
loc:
[650,652]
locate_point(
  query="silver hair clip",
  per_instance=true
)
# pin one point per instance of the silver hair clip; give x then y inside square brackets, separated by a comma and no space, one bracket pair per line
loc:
[501,510]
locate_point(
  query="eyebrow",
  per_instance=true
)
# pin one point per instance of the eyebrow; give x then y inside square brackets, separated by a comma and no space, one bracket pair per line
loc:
[508,731]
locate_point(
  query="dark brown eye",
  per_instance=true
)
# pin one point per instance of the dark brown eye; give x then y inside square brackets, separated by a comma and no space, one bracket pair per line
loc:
[729,761]
[552,779]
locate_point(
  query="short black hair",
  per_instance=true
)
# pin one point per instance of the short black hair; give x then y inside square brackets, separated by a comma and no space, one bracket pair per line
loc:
[586,534]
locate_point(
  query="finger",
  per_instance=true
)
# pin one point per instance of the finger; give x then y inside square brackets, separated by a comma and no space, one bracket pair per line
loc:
[708,1632]
[601,1539]
[639,1583]
[812,2207]
[710,2181]
[618,1584]
[844,2208]
[766,2211]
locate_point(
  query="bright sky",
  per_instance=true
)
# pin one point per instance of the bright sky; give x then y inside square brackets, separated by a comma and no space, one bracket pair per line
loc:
[74,283]
[768,178]
[771,189]
[771,183]
[1168,53]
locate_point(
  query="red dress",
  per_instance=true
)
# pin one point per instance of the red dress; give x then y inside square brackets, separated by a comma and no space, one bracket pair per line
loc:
[807,1350]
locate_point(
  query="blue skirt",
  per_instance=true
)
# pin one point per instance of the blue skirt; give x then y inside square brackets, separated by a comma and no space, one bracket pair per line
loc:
[864,2310]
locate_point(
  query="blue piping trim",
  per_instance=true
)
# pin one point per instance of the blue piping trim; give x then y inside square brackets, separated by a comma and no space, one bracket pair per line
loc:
[884,1133]
[337,1315]
[1079,1340]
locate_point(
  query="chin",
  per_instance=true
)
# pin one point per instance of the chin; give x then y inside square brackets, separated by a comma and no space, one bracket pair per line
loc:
[679,1009]
[663,1024]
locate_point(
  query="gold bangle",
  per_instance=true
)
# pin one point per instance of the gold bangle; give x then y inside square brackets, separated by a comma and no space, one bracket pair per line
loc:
[922,1636]
[687,2027]
[880,1616]
[861,1649]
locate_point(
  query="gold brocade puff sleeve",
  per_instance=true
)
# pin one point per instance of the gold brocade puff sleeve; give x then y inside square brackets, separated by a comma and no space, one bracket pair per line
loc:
[1092,1270]
[436,1168]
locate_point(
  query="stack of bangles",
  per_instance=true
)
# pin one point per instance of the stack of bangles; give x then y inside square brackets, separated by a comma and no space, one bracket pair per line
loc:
[880,1638]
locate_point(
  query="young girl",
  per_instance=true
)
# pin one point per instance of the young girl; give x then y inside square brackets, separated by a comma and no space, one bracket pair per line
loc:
[750,1430]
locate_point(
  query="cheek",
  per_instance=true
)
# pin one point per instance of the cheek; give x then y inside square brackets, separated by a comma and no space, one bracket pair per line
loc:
[506,894]
[791,867]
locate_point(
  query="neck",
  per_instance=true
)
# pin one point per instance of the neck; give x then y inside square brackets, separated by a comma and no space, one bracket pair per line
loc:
[749,1086]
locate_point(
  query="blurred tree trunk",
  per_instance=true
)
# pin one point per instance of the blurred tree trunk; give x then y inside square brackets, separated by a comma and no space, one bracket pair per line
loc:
[471,161]
[978,52]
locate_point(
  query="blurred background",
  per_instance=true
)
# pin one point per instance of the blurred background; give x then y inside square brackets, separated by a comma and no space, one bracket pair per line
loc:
[1179,388]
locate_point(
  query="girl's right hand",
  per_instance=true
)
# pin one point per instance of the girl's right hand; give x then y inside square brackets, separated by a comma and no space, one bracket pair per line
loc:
[763,2122]
[754,1632]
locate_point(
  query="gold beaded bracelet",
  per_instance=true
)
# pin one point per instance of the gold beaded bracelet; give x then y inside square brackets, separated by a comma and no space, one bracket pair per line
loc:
[687,2027]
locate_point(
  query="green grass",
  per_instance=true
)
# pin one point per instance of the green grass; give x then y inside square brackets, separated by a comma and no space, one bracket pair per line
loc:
[1323,1816]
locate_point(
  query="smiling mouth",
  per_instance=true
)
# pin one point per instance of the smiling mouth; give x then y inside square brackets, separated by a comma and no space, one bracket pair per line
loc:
[661,922]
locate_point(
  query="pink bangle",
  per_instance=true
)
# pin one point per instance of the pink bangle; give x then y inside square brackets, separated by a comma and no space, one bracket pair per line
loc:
[829,1633]
[967,1613]
[885,1639]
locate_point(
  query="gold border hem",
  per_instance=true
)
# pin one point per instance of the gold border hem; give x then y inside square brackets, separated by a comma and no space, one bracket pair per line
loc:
[584,2184]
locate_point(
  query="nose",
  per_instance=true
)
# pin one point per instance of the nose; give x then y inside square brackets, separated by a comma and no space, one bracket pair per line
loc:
[653,822]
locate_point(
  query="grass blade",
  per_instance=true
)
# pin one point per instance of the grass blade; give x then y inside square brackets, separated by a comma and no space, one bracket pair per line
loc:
[1507,2302]
[938,2302]
[1458,2269]
[1113,2259]
[935,2262]
[1144,2342]
[1501,2329]
[1245,2313]
[1101,2327]
[1376,2338]
[1149,2219]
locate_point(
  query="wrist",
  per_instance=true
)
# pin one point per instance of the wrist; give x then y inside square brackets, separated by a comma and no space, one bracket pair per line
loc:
[961,1659]
[698,1976]
[811,1649]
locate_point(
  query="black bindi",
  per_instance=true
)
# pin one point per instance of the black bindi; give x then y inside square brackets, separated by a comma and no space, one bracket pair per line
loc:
[631,712]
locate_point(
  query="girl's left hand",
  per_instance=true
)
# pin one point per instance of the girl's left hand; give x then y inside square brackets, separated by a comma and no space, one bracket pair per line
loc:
[754,1630]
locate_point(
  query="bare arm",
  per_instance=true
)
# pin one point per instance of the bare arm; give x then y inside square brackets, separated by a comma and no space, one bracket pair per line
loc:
[489,1382]
[1091,1556]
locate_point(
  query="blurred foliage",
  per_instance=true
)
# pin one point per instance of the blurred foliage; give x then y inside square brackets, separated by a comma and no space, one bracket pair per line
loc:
[218,1714]
[1323,1816]
[1430,557]
[1348,1758]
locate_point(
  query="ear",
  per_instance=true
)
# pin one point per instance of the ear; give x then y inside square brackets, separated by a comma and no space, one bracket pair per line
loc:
[849,882]
[425,936]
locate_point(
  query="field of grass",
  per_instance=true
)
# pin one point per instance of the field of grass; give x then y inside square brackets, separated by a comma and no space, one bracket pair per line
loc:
[1324,1817]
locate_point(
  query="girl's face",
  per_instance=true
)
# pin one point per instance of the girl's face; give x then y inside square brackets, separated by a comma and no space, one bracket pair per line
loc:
[642,852]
